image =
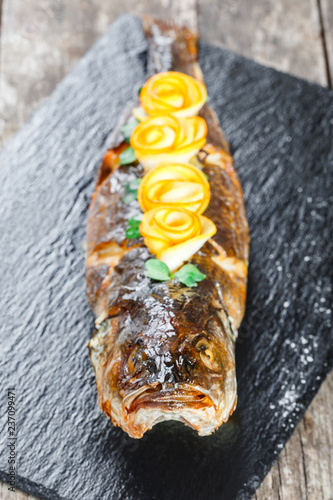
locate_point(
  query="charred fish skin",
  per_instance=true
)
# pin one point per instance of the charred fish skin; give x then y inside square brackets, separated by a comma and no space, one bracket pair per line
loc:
[164,351]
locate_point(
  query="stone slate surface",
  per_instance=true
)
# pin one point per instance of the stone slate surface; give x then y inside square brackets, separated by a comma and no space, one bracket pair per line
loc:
[280,130]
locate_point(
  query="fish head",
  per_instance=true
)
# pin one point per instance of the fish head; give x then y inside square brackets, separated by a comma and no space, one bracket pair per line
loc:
[175,367]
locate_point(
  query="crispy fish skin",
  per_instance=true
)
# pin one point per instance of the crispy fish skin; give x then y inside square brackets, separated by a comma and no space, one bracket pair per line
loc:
[163,351]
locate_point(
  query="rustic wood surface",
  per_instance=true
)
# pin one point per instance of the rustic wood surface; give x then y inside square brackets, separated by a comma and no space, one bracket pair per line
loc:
[41,40]
[326,10]
[285,34]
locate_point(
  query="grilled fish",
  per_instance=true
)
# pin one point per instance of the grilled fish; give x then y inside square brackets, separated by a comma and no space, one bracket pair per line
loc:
[162,350]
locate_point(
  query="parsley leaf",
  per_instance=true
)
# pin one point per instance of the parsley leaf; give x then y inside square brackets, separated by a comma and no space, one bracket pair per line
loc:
[127,156]
[157,270]
[131,190]
[134,221]
[189,275]
[131,196]
[139,91]
[133,230]
[134,185]
[128,128]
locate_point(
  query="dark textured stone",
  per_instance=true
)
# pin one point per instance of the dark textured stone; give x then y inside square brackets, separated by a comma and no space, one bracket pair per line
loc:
[280,130]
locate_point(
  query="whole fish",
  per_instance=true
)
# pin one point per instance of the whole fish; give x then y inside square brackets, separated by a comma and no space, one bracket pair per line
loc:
[162,350]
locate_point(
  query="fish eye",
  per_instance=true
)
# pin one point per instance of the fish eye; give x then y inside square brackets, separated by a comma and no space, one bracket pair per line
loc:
[207,355]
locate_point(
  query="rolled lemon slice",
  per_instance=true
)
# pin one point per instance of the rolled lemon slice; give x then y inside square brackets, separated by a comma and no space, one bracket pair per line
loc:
[166,139]
[182,186]
[174,235]
[173,93]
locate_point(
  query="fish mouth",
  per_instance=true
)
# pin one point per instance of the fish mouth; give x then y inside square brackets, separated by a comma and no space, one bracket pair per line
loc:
[169,398]
[195,406]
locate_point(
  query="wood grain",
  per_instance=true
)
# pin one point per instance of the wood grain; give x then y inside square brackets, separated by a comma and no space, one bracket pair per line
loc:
[8,495]
[0,14]
[304,469]
[41,40]
[326,7]
[285,34]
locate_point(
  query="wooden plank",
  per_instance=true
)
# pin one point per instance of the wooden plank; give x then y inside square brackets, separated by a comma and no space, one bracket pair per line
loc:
[304,470]
[285,34]
[8,495]
[41,42]
[43,39]
[326,7]
[0,16]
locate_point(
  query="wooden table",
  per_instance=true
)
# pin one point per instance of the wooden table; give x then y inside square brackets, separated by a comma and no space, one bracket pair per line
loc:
[41,40]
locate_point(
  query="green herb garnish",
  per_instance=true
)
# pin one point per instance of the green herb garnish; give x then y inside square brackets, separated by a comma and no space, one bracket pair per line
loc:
[135,183]
[133,233]
[157,270]
[133,230]
[127,156]
[189,275]
[131,190]
[128,128]
[139,91]
[130,197]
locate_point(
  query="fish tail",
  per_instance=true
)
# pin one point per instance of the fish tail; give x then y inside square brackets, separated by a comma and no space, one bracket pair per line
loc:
[171,47]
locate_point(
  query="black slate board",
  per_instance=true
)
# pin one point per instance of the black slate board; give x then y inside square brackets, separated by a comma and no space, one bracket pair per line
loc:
[280,130]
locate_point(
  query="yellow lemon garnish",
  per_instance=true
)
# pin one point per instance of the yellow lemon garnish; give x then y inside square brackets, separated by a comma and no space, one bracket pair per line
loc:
[182,186]
[166,139]
[173,93]
[174,235]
